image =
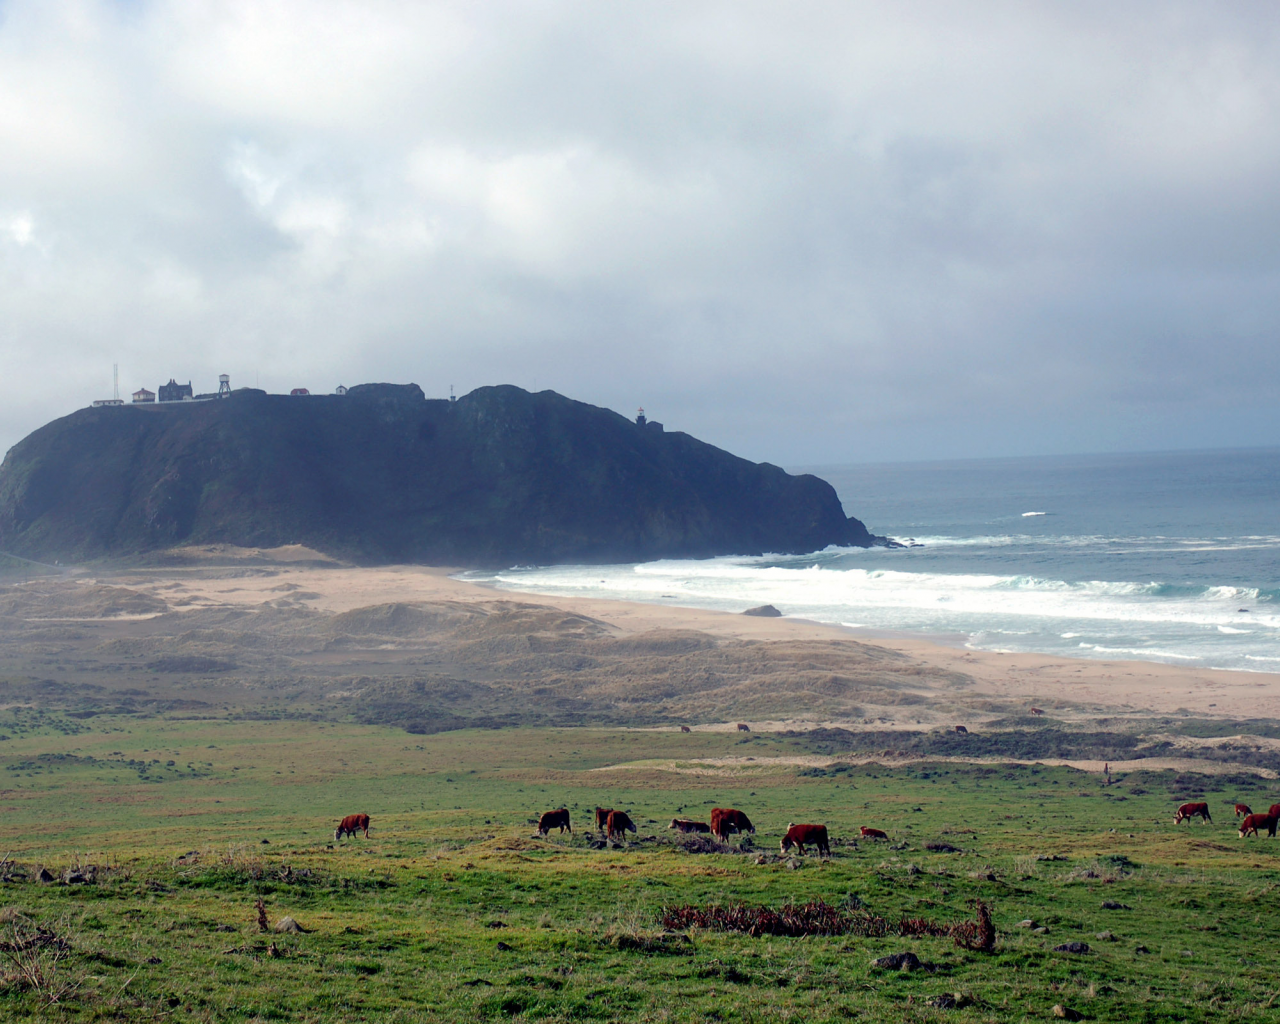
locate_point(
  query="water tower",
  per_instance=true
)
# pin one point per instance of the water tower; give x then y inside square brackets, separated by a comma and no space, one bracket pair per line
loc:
[224,386]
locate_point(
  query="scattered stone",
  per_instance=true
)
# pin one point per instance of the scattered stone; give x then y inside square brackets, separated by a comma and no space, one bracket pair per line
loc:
[1072,947]
[765,611]
[793,865]
[477,981]
[154,960]
[762,859]
[1105,937]
[1141,949]
[1028,923]
[288,924]
[79,876]
[504,948]
[941,848]
[496,924]
[946,1001]
[1113,905]
[1187,952]
[266,842]
[1066,1013]
[1042,930]
[45,876]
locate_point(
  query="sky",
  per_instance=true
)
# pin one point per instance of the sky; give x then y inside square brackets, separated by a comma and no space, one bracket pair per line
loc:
[805,232]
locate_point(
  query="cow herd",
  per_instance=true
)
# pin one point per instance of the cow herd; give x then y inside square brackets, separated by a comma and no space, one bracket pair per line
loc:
[1249,826]
[725,821]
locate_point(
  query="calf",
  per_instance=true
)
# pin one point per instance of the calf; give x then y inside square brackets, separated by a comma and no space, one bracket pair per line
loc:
[1242,810]
[685,825]
[352,824]
[602,817]
[1188,811]
[1253,822]
[814,835]
[872,833]
[555,819]
[619,824]
[725,821]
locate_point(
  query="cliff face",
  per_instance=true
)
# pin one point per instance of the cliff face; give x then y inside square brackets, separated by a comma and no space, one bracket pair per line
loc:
[382,475]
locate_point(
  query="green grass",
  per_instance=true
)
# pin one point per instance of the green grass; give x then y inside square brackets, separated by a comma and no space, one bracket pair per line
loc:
[401,924]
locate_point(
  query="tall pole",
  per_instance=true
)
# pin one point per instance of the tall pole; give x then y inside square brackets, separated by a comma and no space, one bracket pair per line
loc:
[115,380]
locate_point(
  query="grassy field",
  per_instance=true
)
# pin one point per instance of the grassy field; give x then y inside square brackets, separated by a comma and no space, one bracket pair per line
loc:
[452,911]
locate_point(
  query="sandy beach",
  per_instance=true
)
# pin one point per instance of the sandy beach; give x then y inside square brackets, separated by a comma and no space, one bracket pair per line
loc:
[1090,687]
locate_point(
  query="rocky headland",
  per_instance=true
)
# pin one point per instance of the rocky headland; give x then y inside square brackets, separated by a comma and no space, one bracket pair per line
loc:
[383,474]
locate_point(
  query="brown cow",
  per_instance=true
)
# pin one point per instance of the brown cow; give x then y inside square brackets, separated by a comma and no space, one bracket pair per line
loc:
[743,727]
[814,835]
[1188,811]
[619,824]
[1253,822]
[685,825]
[962,730]
[685,728]
[725,821]
[1274,810]
[1037,711]
[352,824]
[602,817]
[872,833]
[1242,810]
[554,819]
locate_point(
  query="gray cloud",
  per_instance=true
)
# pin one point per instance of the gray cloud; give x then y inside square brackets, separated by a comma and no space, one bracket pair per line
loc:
[806,232]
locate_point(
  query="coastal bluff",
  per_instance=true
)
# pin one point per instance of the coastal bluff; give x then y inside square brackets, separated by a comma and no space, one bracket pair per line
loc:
[382,474]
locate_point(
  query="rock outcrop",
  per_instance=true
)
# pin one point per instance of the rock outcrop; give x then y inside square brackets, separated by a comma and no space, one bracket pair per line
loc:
[383,474]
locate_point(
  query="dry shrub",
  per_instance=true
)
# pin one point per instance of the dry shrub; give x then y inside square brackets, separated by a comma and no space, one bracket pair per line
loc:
[819,918]
[33,958]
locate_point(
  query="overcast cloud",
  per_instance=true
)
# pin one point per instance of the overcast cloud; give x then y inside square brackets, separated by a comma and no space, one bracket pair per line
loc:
[806,232]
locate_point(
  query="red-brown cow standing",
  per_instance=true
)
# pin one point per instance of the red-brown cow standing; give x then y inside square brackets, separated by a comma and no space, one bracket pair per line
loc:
[726,820]
[1274,810]
[685,825]
[352,824]
[618,824]
[602,817]
[555,819]
[872,833]
[1188,811]
[1253,822]
[814,835]
[1243,810]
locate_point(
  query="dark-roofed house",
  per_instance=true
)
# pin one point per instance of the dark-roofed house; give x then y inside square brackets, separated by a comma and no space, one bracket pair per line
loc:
[175,392]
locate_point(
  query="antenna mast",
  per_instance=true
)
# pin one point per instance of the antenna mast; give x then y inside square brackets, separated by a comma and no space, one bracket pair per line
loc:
[115,379]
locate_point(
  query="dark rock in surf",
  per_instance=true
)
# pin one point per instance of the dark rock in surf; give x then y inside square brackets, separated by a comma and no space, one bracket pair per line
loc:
[383,474]
[765,611]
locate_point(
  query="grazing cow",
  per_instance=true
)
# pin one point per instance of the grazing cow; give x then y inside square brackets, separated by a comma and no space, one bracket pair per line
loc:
[1188,811]
[725,821]
[872,833]
[1242,810]
[555,819]
[618,824]
[352,824]
[1274,810]
[685,728]
[602,817]
[962,730]
[1253,822]
[1037,711]
[814,835]
[685,825]
[743,727]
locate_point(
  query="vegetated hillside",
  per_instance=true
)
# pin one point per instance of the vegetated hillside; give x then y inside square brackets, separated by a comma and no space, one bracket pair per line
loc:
[382,474]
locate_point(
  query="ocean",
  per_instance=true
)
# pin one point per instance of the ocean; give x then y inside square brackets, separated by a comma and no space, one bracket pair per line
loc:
[1170,557]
